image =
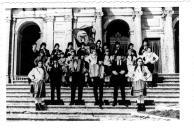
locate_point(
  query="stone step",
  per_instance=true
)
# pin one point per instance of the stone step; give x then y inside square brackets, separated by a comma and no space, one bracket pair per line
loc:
[164,79]
[170,77]
[159,87]
[168,80]
[88,104]
[72,117]
[68,90]
[91,99]
[23,85]
[108,110]
[89,94]
[169,84]
[171,74]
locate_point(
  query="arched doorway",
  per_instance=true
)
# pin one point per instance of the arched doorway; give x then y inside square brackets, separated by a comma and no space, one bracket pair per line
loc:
[117,30]
[176,46]
[28,34]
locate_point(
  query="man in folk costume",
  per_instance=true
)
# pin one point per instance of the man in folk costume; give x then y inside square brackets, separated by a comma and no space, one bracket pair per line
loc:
[96,73]
[140,75]
[118,80]
[37,78]
[55,79]
[75,79]
[81,53]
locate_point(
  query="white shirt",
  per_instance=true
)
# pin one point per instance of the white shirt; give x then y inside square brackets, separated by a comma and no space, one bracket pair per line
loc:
[107,60]
[150,57]
[144,75]
[129,61]
[36,74]
[91,59]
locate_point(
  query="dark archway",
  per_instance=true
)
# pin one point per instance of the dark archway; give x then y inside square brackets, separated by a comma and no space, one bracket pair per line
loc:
[176,46]
[29,33]
[117,30]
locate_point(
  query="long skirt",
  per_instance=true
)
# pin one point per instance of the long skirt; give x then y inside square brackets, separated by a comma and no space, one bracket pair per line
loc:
[38,89]
[138,88]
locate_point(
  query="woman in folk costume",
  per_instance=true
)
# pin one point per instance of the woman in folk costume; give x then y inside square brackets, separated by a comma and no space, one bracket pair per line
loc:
[140,75]
[96,73]
[37,76]
[131,58]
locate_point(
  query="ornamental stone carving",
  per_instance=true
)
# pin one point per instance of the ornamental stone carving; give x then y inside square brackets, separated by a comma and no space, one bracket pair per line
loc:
[136,12]
[49,18]
[68,18]
[167,12]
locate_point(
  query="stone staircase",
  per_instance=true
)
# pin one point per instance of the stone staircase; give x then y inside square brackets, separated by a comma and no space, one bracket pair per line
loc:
[20,104]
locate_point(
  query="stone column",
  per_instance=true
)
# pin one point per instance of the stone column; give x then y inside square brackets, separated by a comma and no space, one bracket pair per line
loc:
[49,34]
[44,32]
[75,19]
[98,24]
[9,46]
[138,30]
[68,28]
[14,36]
[168,51]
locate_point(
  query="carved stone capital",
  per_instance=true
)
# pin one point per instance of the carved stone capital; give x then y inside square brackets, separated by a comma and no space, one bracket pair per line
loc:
[75,18]
[98,12]
[167,12]
[49,18]
[8,19]
[68,17]
[137,12]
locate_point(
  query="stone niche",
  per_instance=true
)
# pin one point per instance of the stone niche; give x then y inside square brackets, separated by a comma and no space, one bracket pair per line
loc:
[62,31]
[151,18]
[84,16]
[121,11]
[151,22]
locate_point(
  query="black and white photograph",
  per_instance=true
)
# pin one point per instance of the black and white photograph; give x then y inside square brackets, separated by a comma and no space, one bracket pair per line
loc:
[92,62]
[107,63]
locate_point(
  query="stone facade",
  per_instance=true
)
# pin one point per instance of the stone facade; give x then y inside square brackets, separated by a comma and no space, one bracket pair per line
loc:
[57,24]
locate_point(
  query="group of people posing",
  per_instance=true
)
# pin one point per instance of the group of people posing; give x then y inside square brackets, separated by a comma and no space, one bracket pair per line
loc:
[94,65]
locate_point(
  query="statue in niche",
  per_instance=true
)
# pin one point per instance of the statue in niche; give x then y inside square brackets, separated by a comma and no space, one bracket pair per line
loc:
[84,34]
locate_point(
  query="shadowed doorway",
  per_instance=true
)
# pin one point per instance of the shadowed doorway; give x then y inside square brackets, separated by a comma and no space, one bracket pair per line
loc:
[28,34]
[176,46]
[117,30]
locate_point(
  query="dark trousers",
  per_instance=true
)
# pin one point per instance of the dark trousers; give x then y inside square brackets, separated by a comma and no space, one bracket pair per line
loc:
[73,91]
[55,86]
[150,67]
[77,82]
[98,88]
[119,83]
